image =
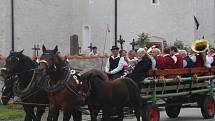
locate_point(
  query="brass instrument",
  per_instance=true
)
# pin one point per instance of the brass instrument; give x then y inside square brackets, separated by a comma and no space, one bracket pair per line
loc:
[200,47]
[149,51]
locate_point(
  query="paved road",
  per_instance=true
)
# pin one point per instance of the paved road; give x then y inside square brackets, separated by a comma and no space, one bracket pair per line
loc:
[193,114]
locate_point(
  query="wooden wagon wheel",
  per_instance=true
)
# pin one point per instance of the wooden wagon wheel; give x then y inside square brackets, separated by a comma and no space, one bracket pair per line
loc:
[208,107]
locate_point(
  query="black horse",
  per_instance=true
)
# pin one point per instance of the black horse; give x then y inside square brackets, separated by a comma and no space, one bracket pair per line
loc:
[18,71]
[106,95]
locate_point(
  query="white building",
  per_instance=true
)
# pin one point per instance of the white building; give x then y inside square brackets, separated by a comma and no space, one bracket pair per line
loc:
[52,22]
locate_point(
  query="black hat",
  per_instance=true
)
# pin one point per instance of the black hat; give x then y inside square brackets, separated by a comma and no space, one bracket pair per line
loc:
[94,47]
[114,48]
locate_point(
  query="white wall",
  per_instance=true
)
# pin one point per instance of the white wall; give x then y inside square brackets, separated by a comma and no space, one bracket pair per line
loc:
[5,27]
[51,22]
[204,11]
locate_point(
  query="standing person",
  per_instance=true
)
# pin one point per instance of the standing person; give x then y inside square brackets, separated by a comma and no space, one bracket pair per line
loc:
[144,64]
[115,63]
[94,51]
[168,60]
[177,57]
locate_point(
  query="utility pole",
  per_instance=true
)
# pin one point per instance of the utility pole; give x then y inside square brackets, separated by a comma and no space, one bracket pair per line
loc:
[12,25]
[115,22]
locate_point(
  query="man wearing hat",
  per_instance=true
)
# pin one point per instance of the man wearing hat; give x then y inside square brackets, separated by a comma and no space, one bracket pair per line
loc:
[115,63]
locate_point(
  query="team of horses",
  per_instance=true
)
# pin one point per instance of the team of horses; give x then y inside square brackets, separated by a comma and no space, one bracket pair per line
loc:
[50,81]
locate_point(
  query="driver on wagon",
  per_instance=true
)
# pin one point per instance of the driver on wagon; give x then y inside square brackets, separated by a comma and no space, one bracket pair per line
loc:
[115,64]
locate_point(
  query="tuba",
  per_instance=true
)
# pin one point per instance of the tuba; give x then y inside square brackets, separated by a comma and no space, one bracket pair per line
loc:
[200,47]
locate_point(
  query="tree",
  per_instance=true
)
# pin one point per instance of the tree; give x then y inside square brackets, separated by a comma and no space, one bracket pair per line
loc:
[142,39]
[179,44]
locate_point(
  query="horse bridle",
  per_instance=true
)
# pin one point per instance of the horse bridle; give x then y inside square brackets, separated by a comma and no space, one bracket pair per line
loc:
[71,73]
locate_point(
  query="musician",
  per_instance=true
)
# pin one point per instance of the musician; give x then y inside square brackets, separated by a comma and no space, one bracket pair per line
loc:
[212,54]
[157,59]
[187,61]
[198,60]
[115,63]
[178,59]
[144,64]
[168,61]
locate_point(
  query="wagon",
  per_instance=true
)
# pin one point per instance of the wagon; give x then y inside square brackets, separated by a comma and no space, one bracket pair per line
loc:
[174,89]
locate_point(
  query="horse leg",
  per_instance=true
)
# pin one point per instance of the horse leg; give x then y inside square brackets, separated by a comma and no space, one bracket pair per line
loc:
[120,113]
[93,113]
[77,115]
[53,113]
[40,111]
[66,115]
[30,116]
[137,113]
[106,115]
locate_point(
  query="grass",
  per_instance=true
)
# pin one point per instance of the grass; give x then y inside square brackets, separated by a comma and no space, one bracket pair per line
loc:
[10,112]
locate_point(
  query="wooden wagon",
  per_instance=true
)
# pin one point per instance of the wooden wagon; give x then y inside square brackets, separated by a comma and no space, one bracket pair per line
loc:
[178,88]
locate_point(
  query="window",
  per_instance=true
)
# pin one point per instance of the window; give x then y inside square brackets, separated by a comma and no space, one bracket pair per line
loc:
[155,2]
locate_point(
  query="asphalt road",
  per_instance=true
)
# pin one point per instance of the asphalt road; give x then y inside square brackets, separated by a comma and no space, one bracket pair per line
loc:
[193,114]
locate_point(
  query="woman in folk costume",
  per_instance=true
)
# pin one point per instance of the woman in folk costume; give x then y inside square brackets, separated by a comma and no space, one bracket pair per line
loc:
[123,53]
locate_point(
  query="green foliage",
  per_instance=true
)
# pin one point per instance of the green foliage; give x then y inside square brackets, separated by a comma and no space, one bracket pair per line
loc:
[10,112]
[165,45]
[142,39]
[179,44]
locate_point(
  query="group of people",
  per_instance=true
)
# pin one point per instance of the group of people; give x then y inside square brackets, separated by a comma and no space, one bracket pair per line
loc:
[136,64]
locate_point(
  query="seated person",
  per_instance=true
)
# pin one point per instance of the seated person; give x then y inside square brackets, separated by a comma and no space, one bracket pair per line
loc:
[187,61]
[198,59]
[212,54]
[168,60]
[115,64]
[132,60]
[158,59]
[176,57]
[141,69]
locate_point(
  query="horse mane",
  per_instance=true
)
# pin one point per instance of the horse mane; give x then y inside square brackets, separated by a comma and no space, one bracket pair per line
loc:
[28,62]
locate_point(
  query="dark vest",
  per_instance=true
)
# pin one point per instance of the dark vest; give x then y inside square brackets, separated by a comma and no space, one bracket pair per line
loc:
[189,61]
[114,64]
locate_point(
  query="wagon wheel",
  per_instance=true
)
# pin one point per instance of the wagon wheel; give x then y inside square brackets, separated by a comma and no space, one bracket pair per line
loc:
[208,107]
[173,111]
[151,113]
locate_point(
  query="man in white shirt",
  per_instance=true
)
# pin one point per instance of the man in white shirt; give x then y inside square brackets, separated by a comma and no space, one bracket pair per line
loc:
[115,63]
